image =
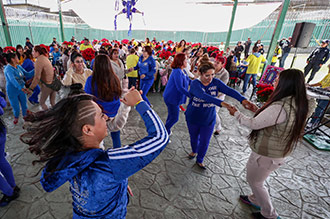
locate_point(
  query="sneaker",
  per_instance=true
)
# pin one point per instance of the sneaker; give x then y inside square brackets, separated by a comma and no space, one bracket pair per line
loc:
[7,199]
[258,215]
[245,200]
[216,133]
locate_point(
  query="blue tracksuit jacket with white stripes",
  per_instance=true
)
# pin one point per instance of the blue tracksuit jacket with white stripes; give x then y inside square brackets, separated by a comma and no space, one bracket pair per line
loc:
[98,179]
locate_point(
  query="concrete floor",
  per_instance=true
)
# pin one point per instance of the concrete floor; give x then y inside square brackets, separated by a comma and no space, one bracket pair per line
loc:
[173,187]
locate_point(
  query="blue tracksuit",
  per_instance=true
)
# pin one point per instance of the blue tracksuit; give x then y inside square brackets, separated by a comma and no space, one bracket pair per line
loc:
[200,113]
[147,68]
[98,179]
[175,94]
[110,109]
[28,65]
[7,181]
[14,84]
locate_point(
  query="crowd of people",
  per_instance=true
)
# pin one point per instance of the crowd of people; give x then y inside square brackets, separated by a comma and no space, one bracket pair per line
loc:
[105,76]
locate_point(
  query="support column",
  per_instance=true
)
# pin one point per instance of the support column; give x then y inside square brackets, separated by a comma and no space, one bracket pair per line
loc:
[277,31]
[231,24]
[5,25]
[61,20]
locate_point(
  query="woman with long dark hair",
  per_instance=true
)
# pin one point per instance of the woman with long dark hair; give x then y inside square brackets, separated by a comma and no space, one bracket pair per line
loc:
[195,60]
[20,53]
[105,85]
[67,138]
[276,129]
[44,72]
[7,182]
[176,90]
[181,46]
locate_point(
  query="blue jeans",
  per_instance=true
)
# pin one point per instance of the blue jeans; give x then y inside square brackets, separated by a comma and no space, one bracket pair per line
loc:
[247,79]
[322,104]
[145,86]
[116,143]
[7,183]
[172,116]
[200,139]
[283,58]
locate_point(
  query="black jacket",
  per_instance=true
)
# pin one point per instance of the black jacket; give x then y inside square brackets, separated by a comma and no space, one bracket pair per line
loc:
[319,55]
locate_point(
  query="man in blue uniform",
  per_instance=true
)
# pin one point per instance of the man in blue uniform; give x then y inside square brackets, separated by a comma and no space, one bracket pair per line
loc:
[316,59]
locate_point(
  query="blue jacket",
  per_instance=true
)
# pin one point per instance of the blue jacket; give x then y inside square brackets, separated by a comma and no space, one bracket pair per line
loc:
[110,107]
[98,179]
[201,110]
[28,65]
[15,77]
[148,68]
[56,56]
[176,90]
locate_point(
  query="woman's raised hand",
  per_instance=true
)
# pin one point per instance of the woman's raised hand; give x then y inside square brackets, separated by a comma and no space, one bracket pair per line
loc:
[132,97]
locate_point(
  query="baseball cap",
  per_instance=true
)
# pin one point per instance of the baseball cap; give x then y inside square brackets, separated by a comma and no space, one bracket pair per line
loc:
[325,41]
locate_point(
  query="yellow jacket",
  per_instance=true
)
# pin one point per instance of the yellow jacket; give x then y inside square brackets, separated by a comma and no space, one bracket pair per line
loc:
[325,81]
[277,53]
[132,61]
[254,61]
[83,47]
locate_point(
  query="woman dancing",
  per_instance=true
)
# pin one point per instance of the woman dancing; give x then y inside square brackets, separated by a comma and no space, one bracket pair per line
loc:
[200,114]
[68,136]
[176,90]
[276,129]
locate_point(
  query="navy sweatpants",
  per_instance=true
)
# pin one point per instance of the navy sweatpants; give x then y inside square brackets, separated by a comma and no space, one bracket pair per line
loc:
[145,86]
[172,116]
[7,183]
[199,139]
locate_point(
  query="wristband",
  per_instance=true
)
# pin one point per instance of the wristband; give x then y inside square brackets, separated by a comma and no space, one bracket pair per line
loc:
[138,102]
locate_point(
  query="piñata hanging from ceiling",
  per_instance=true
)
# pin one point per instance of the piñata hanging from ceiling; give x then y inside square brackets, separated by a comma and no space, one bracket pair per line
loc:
[129,9]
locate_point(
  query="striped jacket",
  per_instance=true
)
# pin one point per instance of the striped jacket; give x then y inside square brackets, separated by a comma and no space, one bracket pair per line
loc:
[98,179]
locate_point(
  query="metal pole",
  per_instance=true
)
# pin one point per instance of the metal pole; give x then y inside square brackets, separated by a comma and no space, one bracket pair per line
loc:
[294,57]
[231,23]
[4,25]
[277,31]
[61,19]
[30,29]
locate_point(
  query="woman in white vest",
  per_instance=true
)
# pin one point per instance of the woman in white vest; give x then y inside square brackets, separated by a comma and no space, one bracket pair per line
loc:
[276,129]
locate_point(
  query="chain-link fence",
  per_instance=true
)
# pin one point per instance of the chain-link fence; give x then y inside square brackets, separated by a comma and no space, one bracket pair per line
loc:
[41,27]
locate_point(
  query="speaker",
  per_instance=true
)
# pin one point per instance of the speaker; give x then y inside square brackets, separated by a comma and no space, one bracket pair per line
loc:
[302,34]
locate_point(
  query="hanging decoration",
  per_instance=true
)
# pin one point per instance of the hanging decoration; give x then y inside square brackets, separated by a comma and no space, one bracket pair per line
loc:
[129,9]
